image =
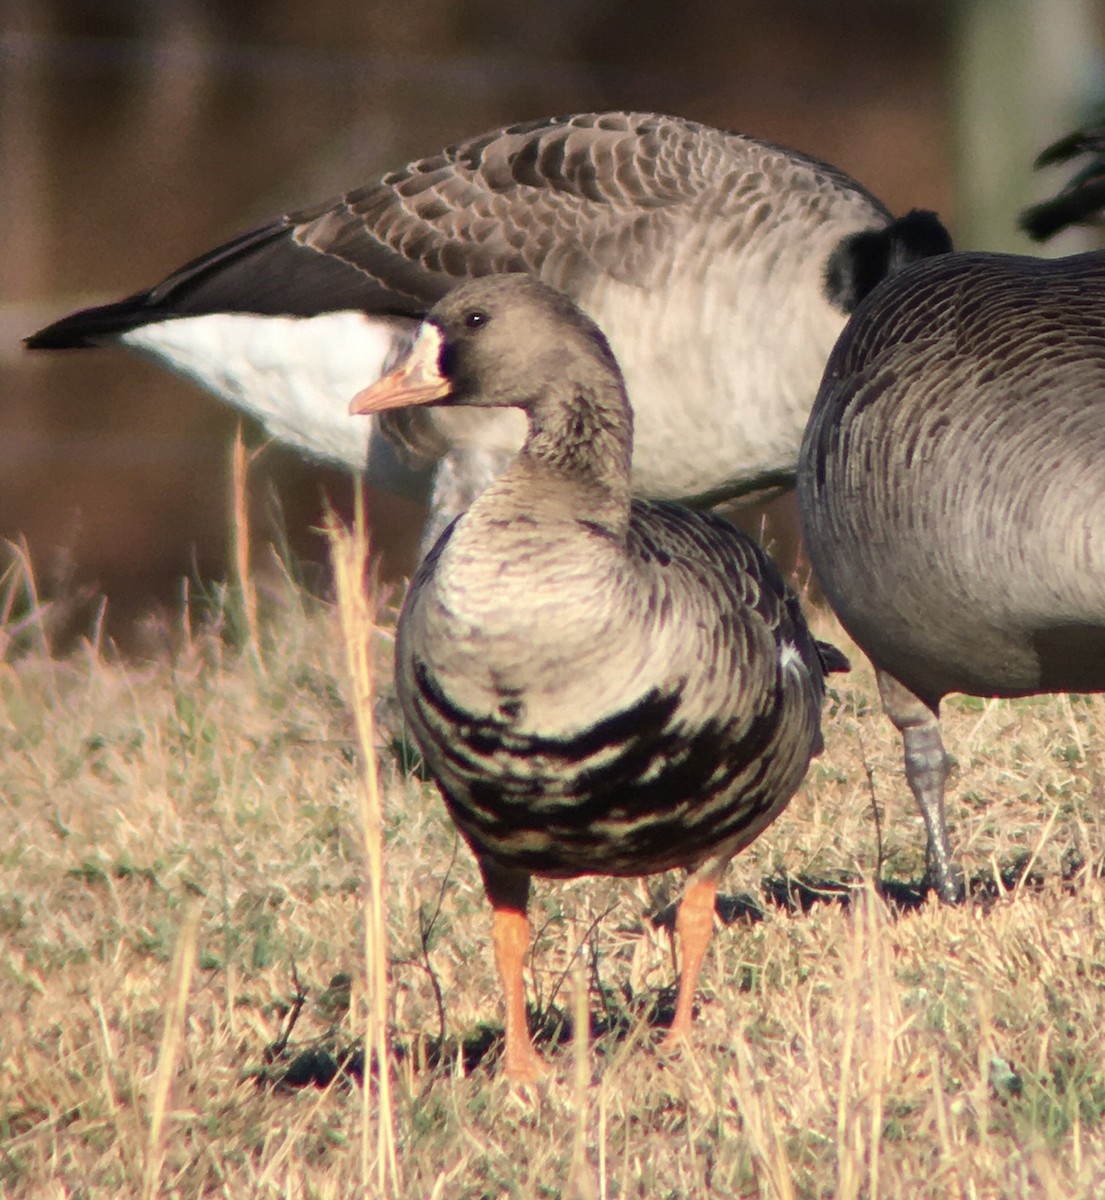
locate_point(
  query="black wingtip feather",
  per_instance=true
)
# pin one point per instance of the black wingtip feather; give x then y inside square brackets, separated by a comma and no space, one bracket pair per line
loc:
[90,327]
[265,272]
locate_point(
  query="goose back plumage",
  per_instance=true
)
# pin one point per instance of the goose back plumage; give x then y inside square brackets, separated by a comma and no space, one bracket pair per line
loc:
[671,234]
[951,484]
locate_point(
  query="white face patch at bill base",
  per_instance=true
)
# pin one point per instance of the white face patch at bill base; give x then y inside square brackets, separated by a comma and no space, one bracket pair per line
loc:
[416,380]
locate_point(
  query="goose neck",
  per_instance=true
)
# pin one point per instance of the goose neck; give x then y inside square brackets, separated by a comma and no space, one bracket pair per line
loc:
[580,442]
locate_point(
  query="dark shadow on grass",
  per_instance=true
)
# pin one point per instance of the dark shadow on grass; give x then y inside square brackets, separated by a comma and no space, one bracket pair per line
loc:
[619,1012]
[797,894]
[326,1061]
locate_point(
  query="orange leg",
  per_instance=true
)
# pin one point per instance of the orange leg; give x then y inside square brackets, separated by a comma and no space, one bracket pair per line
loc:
[511,935]
[694,925]
[508,892]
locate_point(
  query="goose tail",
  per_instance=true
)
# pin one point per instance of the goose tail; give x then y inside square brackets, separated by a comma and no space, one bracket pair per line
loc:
[863,260]
[832,659]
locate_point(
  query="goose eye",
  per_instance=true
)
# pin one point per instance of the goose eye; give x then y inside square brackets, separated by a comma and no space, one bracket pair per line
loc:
[475,318]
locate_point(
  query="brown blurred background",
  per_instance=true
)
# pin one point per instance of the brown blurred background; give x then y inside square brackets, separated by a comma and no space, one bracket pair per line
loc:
[135,135]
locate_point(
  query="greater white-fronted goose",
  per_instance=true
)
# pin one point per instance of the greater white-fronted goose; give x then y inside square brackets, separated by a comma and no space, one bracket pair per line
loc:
[952,493]
[721,267]
[1081,200]
[597,685]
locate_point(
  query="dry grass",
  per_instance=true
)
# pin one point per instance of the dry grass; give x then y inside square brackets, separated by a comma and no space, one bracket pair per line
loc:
[183,852]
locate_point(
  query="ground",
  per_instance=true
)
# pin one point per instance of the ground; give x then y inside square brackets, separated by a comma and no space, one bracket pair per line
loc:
[183,964]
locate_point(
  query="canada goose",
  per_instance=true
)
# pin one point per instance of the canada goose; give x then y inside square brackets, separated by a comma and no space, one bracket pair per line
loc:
[721,267]
[597,685]
[1082,198]
[950,490]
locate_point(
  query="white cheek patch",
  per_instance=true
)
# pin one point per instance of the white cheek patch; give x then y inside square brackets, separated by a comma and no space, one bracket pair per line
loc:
[296,375]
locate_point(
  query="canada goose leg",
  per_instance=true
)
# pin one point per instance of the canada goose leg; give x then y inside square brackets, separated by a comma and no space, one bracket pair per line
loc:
[694,926]
[508,892]
[926,770]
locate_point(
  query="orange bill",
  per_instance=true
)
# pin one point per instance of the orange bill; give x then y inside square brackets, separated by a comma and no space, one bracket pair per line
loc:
[417,379]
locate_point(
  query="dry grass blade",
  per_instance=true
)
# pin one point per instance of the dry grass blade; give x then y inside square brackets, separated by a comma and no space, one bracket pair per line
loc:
[240,536]
[580,1181]
[20,576]
[760,1126]
[349,551]
[172,1036]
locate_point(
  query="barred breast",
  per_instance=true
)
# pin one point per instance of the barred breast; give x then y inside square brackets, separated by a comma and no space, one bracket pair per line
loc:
[622,719]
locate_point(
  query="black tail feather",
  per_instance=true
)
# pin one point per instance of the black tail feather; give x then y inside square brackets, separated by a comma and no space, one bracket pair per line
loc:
[832,659]
[863,260]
